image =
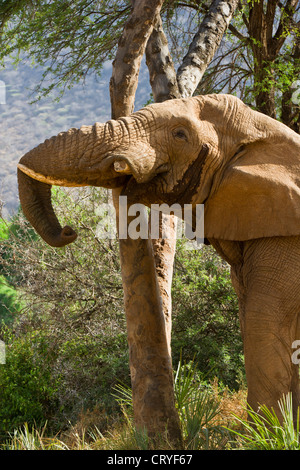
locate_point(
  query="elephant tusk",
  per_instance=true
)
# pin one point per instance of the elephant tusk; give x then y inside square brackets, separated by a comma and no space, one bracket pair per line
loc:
[46,179]
[122,167]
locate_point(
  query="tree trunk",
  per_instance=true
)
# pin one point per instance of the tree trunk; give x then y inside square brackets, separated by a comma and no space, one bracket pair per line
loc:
[147,268]
[149,345]
[264,87]
[131,48]
[290,109]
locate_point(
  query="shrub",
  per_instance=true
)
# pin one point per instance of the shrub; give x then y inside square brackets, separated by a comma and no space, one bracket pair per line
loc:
[9,301]
[70,335]
[264,430]
[205,316]
[72,301]
[27,389]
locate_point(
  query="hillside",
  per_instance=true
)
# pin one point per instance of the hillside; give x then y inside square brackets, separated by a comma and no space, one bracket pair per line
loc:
[24,125]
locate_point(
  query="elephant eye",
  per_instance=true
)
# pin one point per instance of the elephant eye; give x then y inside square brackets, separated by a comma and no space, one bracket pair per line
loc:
[180,134]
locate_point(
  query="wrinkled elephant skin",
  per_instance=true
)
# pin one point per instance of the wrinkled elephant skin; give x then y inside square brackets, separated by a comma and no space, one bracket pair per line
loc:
[212,150]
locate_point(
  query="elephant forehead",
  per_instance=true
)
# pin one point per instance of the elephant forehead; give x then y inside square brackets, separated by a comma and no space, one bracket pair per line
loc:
[181,109]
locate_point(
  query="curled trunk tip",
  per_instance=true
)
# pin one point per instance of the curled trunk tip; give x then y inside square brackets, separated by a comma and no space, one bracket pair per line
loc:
[35,199]
[66,236]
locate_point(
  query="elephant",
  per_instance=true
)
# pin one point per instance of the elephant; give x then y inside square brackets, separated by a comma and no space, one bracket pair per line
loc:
[242,165]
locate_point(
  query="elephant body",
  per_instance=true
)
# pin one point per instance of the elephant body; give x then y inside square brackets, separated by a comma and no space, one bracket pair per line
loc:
[212,150]
[265,276]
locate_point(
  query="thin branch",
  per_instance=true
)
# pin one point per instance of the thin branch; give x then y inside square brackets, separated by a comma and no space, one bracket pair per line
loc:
[285,22]
[237,33]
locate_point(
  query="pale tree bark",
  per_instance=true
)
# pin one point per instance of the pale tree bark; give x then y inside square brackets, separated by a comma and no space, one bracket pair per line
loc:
[162,73]
[147,268]
[204,45]
[131,48]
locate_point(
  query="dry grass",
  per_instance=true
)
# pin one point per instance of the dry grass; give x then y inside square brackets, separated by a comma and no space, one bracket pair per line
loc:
[95,430]
[121,435]
[231,403]
[267,434]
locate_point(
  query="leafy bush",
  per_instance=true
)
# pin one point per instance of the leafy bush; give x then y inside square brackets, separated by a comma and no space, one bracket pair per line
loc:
[72,300]
[197,408]
[205,316]
[27,389]
[71,331]
[9,301]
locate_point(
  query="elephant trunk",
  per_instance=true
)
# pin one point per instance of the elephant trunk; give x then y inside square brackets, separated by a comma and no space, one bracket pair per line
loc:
[35,198]
[72,158]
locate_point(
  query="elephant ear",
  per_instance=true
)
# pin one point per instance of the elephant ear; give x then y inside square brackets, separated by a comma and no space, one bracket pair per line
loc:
[259,192]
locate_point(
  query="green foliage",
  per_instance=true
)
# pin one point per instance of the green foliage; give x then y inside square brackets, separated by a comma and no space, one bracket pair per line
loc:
[71,329]
[89,367]
[264,430]
[72,300]
[258,61]
[205,315]
[9,302]
[4,229]
[197,409]
[69,38]
[24,438]
[27,390]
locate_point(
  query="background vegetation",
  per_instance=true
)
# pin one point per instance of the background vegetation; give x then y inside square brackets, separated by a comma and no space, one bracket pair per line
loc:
[67,348]
[61,311]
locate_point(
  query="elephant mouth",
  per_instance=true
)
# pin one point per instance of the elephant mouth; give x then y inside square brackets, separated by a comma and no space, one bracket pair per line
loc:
[120,165]
[158,189]
[119,170]
[152,192]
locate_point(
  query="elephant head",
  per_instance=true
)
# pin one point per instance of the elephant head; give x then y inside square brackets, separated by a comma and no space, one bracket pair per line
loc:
[212,150]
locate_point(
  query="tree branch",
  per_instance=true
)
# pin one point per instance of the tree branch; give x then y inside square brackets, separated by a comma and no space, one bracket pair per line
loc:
[285,21]
[160,65]
[204,45]
[128,58]
[236,33]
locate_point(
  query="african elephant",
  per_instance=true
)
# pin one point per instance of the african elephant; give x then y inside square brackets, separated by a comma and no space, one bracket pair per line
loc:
[212,150]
